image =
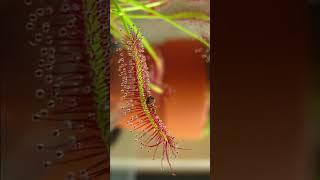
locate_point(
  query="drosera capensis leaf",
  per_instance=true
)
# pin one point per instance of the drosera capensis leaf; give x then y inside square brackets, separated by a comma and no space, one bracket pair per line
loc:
[127,22]
[115,31]
[139,106]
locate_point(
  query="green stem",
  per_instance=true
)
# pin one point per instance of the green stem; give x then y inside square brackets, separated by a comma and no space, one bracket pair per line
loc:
[156,88]
[150,5]
[127,22]
[168,20]
[184,15]
[114,32]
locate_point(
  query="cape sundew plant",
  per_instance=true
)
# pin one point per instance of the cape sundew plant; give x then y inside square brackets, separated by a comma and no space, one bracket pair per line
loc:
[139,104]
[137,85]
[72,41]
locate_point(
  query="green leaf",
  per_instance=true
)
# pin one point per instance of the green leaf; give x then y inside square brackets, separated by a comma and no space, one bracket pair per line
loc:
[176,16]
[173,23]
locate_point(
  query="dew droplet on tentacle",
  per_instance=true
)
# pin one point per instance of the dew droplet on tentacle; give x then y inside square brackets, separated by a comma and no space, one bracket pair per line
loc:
[29,26]
[40,147]
[51,59]
[47,164]
[42,63]
[48,79]
[36,117]
[56,132]
[63,32]
[44,112]
[51,104]
[49,67]
[40,93]
[33,17]
[43,51]
[39,73]
[28,2]
[49,40]
[59,154]
[38,37]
